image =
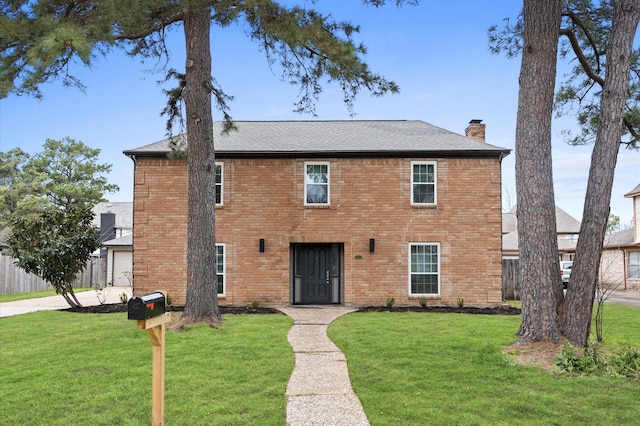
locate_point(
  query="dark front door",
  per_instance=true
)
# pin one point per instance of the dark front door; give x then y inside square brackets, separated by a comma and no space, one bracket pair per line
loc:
[315,265]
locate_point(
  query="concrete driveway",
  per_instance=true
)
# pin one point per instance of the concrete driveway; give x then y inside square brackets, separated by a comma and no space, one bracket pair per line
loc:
[52,303]
[625,297]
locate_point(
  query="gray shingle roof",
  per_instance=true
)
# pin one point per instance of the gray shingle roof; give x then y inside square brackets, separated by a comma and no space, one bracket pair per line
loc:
[122,210]
[635,191]
[126,240]
[348,137]
[620,238]
[565,223]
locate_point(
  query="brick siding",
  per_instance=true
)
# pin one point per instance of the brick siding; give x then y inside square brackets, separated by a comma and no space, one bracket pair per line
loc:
[369,198]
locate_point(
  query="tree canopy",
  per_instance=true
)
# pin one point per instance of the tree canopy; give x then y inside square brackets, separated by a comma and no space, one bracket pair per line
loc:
[41,40]
[47,203]
[584,35]
[55,245]
[64,173]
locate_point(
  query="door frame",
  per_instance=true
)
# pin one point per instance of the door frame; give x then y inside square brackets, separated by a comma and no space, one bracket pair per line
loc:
[336,266]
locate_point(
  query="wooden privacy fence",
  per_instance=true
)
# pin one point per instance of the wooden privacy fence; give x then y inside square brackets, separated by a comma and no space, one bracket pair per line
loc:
[510,279]
[14,280]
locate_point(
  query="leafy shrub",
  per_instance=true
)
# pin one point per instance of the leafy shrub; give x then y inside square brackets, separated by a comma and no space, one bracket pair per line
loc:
[255,304]
[390,302]
[124,298]
[589,361]
[423,301]
[460,302]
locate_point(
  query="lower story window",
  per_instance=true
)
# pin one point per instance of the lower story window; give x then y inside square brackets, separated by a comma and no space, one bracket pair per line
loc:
[424,268]
[633,264]
[220,269]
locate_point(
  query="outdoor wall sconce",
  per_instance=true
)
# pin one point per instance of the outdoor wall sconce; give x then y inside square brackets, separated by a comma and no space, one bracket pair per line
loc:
[372,245]
[261,245]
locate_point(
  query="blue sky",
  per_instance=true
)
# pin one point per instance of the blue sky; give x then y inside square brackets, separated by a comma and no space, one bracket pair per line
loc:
[436,52]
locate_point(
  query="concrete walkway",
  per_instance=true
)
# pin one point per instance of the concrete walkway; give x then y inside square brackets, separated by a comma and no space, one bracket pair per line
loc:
[319,390]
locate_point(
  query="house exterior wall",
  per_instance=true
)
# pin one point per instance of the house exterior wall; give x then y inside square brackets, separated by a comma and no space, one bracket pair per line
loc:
[369,198]
[612,270]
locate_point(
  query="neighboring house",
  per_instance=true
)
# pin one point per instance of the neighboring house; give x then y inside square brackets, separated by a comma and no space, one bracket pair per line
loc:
[568,230]
[620,263]
[115,222]
[331,212]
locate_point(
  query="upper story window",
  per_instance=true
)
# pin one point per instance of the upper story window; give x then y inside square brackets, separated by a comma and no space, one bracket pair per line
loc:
[219,199]
[423,183]
[316,184]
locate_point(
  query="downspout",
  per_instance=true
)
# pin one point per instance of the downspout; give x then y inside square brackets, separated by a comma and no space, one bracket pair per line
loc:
[624,267]
[133,226]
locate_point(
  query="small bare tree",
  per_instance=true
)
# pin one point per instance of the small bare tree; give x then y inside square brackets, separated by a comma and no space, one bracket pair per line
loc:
[606,283]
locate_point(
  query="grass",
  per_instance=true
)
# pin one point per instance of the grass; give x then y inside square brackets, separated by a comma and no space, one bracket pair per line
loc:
[36,294]
[61,368]
[421,368]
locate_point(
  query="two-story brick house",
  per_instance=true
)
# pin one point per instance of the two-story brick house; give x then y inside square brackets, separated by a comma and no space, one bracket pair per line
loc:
[320,212]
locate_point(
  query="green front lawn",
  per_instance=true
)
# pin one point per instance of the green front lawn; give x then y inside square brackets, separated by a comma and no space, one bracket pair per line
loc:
[448,369]
[61,368]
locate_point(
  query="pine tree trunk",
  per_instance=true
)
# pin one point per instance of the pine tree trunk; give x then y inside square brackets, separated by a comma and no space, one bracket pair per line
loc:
[541,290]
[201,299]
[575,319]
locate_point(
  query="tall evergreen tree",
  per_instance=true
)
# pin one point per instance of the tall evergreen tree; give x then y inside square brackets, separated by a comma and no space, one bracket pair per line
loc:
[14,185]
[39,40]
[46,207]
[575,320]
[603,88]
[541,288]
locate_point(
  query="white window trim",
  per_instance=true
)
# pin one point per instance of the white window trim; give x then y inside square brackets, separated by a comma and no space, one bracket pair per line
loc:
[221,203]
[438,273]
[321,163]
[435,182]
[224,268]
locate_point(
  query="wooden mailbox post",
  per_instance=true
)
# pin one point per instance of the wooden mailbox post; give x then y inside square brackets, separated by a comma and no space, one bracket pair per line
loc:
[150,312]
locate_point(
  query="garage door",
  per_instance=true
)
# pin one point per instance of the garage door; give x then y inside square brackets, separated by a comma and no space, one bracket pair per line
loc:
[122,263]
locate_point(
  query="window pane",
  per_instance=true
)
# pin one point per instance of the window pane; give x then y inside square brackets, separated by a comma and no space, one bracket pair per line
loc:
[424,284]
[317,194]
[317,173]
[423,173]
[220,284]
[423,194]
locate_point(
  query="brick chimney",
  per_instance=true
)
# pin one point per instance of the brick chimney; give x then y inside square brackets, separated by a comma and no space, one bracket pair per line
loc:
[475,130]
